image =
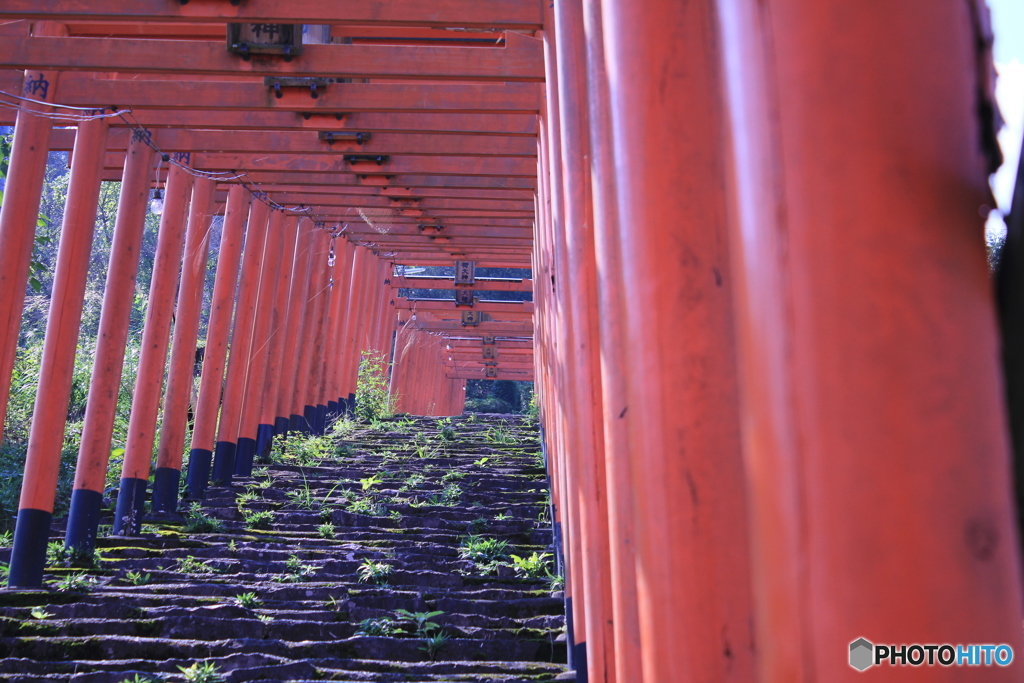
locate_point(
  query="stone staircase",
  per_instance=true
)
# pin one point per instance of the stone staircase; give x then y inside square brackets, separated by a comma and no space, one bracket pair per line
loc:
[385,557]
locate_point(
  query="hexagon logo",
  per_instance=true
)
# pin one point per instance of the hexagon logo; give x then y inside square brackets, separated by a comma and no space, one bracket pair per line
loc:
[861,654]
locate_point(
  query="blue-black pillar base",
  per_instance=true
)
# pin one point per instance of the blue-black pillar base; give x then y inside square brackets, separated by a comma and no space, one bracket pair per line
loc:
[351,404]
[243,457]
[342,406]
[264,441]
[223,463]
[297,423]
[309,417]
[28,557]
[577,652]
[199,462]
[131,506]
[166,481]
[320,420]
[333,409]
[280,425]
[83,519]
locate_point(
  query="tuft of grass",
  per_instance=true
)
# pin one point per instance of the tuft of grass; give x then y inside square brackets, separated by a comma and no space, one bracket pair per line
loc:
[137,578]
[198,522]
[77,582]
[325,530]
[248,600]
[374,572]
[205,672]
[191,565]
[532,567]
[258,519]
[377,627]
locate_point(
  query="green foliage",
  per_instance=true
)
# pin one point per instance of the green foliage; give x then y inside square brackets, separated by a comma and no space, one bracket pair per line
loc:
[381,626]
[325,530]
[374,401]
[304,450]
[198,522]
[248,600]
[370,482]
[445,429]
[191,565]
[76,582]
[296,571]
[369,506]
[139,678]
[433,643]
[532,567]
[501,434]
[419,622]
[206,672]
[137,578]
[374,572]
[485,553]
[258,519]
[40,613]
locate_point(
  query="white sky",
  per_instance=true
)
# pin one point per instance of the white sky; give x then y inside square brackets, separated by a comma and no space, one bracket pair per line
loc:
[1008,25]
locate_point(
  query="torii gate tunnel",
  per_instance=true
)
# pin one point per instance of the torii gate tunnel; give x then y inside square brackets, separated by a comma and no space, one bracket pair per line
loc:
[764,334]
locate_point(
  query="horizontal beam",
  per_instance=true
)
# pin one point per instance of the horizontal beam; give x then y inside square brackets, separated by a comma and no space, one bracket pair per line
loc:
[470,373]
[383,182]
[441,305]
[501,167]
[485,284]
[521,59]
[307,143]
[484,328]
[496,14]
[82,91]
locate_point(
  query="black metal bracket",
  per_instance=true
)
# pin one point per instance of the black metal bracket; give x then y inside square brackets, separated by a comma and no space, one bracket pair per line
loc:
[332,136]
[314,84]
[379,159]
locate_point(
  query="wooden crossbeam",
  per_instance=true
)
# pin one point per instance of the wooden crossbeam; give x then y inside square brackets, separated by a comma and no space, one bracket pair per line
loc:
[500,14]
[500,167]
[340,97]
[402,181]
[485,284]
[444,308]
[521,59]
[307,143]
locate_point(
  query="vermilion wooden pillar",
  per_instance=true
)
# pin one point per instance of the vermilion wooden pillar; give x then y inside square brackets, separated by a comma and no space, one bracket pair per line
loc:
[690,513]
[226,447]
[153,355]
[64,318]
[875,436]
[308,392]
[616,415]
[181,371]
[19,213]
[211,381]
[581,288]
[272,377]
[254,384]
[574,577]
[101,406]
[301,413]
[294,323]
[342,293]
[348,348]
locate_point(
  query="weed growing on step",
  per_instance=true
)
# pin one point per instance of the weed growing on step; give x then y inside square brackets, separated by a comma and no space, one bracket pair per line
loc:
[481,462]
[265,618]
[477,526]
[377,627]
[533,567]
[419,623]
[57,555]
[395,515]
[325,530]
[139,678]
[248,600]
[433,643]
[75,583]
[370,482]
[403,426]
[5,571]
[485,553]
[304,497]
[374,401]
[191,565]
[412,482]
[138,578]
[40,613]
[199,522]
[249,496]
[501,516]
[342,428]
[296,571]
[367,506]
[6,539]
[501,434]
[454,475]
[206,672]
[451,494]
[258,519]
[445,429]
[374,572]
[556,582]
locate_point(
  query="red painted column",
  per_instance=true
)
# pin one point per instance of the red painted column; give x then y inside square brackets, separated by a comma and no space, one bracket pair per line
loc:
[49,416]
[181,373]
[101,406]
[348,349]
[275,360]
[342,294]
[294,324]
[302,413]
[226,447]
[690,513]
[204,427]
[571,533]
[20,211]
[615,411]
[875,429]
[252,388]
[153,356]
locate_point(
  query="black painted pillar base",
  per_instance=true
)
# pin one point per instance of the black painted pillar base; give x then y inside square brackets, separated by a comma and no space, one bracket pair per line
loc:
[131,506]
[83,519]
[166,481]
[243,457]
[199,462]
[223,463]
[342,406]
[309,417]
[297,423]
[28,557]
[264,441]
[280,426]
[333,409]
[577,652]
[320,420]
[351,404]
